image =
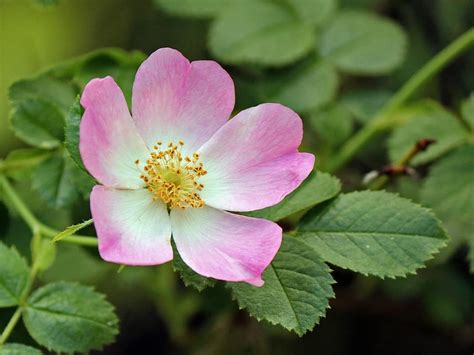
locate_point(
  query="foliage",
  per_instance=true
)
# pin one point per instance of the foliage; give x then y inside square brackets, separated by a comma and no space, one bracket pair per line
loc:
[342,66]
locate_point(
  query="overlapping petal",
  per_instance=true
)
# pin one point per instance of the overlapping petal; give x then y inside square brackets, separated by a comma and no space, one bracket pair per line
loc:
[253,161]
[174,99]
[109,141]
[223,245]
[131,227]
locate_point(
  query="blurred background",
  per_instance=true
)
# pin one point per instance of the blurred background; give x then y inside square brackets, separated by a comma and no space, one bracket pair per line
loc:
[432,313]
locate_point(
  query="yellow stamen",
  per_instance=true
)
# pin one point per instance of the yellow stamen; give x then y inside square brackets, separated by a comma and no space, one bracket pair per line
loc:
[172,177]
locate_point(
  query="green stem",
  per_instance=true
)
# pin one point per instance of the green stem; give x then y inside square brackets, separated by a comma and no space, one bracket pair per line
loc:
[383,119]
[10,326]
[35,225]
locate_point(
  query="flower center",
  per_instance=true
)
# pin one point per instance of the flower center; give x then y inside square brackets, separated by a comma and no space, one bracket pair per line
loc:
[172,177]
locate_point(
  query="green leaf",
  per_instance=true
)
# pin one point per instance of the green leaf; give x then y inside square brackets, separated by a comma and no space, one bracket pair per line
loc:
[305,88]
[54,181]
[374,233]
[193,8]
[68,317]
[470,255]
[296,291]
[189,276]
[317,188]
[365,104]
[449,190]
[83,181]
[72,230]
[439,125]
[71,131]
[38,123]
[333,124]
[44,253]
[18,349]
[260,32]
[363,43]
[46,88]
[314,12]
[20,163]
[119,64]
[13,276]
[467,111]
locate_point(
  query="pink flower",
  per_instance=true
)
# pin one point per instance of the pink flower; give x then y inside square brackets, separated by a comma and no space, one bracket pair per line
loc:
[179,164]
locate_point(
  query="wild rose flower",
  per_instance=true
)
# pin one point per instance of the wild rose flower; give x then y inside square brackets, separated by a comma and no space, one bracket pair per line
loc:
[176,165]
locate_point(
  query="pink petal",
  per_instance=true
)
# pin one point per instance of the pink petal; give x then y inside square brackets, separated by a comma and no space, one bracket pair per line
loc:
[176,100]
[253,161]
[109,141]
[131,227]
[223,245]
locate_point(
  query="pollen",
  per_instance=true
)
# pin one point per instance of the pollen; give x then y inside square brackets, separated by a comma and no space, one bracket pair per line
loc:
[172,177]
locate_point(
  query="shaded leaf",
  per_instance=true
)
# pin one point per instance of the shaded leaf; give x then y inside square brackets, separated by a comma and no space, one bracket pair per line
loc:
[439,125]
[363,43]
[373,232]
[117,63]
[305,88]
[365,104]
[317,188]
[449,190]
[13,276]
[193,8]
[18,349]
[467,111]
[314,12]
[54,181]
[333,124]
[296,292]
[260,32]
[45,88]
[38,123]
[68,317]
[20,163]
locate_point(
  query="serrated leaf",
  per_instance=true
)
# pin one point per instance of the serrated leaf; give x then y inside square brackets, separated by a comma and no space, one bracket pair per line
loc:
[449,190]
[38,123]
[373,232]
[363,43]
[439,125]
[260,32]
[467,111]
[72,229]
[189,276]
[13,276]
[333,124]
[365,104]
[304,88]
[317,188]
[193,8]
[54,181]
[18,349]
[68,317]
[71,131]
[296,292]
[46,88]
